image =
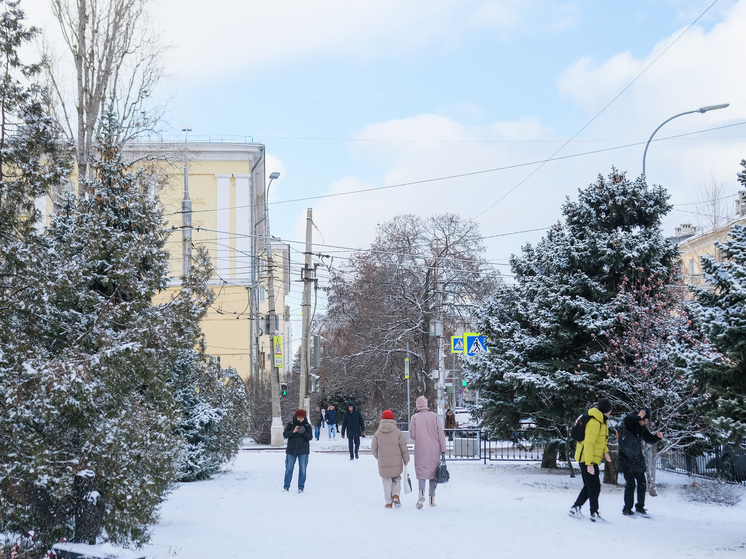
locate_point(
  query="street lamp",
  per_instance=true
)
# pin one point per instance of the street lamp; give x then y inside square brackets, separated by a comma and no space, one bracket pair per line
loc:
[276,430]
[700,110]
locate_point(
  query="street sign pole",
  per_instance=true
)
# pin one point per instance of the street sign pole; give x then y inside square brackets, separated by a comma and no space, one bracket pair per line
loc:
[406,375]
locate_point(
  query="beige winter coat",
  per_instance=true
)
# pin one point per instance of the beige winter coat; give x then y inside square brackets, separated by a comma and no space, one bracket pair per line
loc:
[390,449]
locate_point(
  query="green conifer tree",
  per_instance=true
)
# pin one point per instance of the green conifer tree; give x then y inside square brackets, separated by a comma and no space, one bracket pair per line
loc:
[540,328]
[722,309]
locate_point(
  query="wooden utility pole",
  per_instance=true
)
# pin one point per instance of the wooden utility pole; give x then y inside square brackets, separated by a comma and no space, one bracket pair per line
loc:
[308,277]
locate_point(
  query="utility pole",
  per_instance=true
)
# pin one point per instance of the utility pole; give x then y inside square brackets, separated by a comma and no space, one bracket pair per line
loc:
[186,215]
[276,438]
[441,360]
[254,265]
[439,334]
[409,398]
[307,276]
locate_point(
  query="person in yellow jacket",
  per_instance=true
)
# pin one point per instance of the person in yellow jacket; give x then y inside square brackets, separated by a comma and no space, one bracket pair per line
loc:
[589,454]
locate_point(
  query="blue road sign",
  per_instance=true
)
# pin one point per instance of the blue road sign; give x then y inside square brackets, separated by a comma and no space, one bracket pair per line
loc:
[474,344]
[457,344]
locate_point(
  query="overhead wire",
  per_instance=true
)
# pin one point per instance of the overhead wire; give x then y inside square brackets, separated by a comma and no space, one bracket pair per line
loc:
[479,172]
[603,109]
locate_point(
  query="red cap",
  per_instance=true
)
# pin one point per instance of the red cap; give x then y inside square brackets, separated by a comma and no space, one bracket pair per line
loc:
[388,414]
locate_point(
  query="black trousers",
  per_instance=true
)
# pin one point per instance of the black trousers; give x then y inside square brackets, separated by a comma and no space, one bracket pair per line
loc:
[356,442]
[591,487]
[630,479]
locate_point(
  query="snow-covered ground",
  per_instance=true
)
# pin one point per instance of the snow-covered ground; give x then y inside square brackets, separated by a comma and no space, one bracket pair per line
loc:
[495,510]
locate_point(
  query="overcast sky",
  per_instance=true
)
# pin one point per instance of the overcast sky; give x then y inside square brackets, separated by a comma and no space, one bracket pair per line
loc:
[368,94]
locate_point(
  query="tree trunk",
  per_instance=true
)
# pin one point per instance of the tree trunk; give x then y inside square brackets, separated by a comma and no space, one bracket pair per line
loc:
[652,455]
[549,457]
[569,457]
[611,470]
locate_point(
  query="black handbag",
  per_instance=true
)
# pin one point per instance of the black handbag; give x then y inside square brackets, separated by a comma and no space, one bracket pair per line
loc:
[442,475]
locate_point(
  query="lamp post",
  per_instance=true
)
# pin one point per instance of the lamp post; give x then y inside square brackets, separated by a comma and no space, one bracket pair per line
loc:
[276,429]
[186,215]
[700,110]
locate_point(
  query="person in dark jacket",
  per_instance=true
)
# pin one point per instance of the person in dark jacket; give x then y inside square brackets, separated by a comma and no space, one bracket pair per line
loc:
[352,424]
[298,433]
[331,421]
[632,458]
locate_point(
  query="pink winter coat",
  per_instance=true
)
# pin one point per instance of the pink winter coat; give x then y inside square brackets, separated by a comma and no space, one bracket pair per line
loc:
[429,439]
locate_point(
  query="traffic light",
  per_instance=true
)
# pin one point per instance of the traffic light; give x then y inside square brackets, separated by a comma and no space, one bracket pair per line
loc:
[463,383]
[283,389]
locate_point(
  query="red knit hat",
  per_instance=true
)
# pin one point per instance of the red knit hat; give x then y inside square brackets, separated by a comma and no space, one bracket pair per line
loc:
[388,414]
[300,414]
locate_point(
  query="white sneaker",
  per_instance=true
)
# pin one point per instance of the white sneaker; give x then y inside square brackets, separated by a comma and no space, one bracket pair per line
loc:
[596,517]
[575,512]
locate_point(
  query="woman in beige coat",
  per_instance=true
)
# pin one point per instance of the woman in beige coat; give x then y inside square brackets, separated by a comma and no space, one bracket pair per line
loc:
[390,449]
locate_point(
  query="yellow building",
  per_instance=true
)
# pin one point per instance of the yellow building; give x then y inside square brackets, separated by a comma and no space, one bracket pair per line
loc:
[694,247]
[226,185]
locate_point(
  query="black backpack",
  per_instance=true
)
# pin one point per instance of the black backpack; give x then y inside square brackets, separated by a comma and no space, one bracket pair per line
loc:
[577,431]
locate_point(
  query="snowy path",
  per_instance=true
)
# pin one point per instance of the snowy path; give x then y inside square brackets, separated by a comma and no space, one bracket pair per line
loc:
[493,510]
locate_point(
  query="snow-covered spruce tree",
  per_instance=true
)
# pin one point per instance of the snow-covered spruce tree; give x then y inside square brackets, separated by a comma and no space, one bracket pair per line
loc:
[33,161]
[540,327]
[215,415]
[722,309]
[646,357]
[95,392]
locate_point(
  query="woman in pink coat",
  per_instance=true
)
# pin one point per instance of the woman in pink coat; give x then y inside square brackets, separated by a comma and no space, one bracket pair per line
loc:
[426,430]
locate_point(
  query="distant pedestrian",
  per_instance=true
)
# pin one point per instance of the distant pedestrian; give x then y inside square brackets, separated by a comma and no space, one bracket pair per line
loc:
[450,423]
[331,421]
[632,458]
[390,449]
[299,435]
[589,454]
[352,424]
[426,430]
[318,422]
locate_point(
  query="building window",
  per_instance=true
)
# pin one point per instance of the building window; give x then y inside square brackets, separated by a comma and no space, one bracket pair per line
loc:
[691,267]
[260,295]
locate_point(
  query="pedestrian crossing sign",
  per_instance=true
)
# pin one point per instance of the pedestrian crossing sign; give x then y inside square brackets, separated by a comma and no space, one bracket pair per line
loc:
[457,344]
[475,344]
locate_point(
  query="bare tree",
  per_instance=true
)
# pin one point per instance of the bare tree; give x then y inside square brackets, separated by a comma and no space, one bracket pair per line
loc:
[116,60]
[387,297]
[646,357]
[713,205]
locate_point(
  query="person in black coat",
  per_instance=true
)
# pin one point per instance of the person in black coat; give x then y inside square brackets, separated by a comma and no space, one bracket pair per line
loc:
[331,421]
[632,459]
[352,424]
[298,433]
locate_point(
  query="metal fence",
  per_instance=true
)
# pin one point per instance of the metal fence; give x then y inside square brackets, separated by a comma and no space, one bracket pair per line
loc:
[472,444]
[726,463]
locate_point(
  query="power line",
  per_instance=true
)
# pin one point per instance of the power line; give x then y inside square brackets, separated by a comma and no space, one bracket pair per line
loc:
[598,113]
[479,172]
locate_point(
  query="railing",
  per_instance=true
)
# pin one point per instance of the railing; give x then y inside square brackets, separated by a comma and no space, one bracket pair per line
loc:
[724,463]
[472,444]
